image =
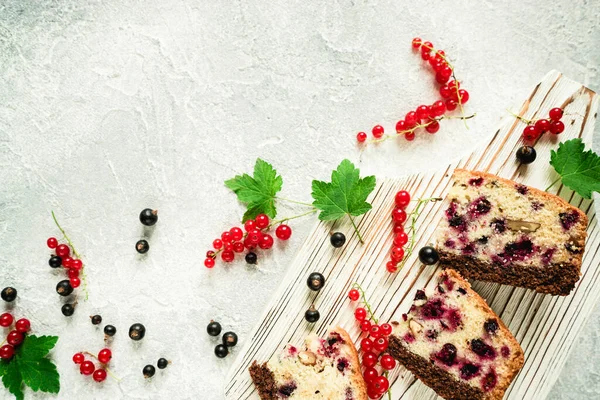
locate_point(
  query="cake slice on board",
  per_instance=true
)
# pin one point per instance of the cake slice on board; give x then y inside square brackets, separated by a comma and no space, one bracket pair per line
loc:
[500,231]
[452,341]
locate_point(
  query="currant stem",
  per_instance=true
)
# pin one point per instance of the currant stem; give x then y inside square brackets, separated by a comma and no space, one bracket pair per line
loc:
[295,201]
[520,118]
[413,222]
[389,391]
[82,271]
[108,371]
[363,300]
[418,126]
[356,230]
[553,183]
[279,221]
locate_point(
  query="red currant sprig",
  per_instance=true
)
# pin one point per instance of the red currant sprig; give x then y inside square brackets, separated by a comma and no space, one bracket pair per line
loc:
[87,367]
[15,337]
[536,128]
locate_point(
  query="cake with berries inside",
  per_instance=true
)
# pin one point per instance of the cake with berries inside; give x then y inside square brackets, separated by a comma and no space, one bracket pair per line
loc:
[324,368]
[498,230]
[452,341]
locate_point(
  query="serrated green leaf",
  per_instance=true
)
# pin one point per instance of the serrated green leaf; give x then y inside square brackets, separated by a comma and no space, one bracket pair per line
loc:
[579,170]
[258,191]
[12,380]
[3,366]
[35,347]
[39,374]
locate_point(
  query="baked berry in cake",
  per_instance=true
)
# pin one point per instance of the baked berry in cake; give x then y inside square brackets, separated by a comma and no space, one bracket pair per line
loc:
[452,341]
[498,230]
[324,368]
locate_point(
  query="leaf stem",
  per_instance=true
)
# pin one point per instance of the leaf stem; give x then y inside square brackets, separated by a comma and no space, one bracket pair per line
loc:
[363,300]
[279,221]
[356,229]
[553,183]
[294,201]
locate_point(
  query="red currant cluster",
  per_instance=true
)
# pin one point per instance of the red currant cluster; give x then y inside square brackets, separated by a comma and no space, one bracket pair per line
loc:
[14,337]
[63,257]
[87,367]
[373,345]
[428,116]
[399,217]
[535,129]
[236,240]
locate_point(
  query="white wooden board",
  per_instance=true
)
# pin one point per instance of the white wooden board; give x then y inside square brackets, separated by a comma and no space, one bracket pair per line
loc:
[546,326]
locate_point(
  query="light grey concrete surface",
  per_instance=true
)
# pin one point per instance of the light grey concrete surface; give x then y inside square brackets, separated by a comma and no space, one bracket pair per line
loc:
[107,107]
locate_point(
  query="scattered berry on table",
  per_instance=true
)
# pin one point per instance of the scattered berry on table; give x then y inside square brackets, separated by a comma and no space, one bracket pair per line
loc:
[104,356]
[377,131]
[67,309]
[230,339]
[361,137]
[55,261]
[96,319]
[142,246]
[428,255]
[221,351]
[6,352]
[64,288]
[23,325]
[6,320]
[312,315]
[87,368]
[137,331]
[526,154]
[110,330]
[9,294]
[315,281]
[149,371]
[78,358]
[283,232]
[353,294]
[162,363]
[213,328]
[148,217]
[99,375]
[338,239]
[251,257]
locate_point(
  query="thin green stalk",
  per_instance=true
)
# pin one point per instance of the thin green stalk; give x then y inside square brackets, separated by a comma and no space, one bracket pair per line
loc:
[553,183]
[520,118]
[363,300]
[279,221]
[295,201]
[418,126]
[356,229]
[389,391]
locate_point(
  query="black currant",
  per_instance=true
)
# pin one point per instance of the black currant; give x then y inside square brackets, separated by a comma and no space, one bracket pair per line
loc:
[312,315]
[526,154]
[428,255]
[10,293]
[213,328]
[55,261]
[137,331]
[149,371]
[110,330]
[96,319]
[64,288]
[221,351]
[162,363]
[67,309]
[315,281]
[148,216]
[251,258]
[142,246]
[230,339]
[338,239]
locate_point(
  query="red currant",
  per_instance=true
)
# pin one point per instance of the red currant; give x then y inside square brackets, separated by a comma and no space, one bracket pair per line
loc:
[440,54]
[99,375]
[104,356]
[451,104]
[381,344]
[410,119]
[238,247]
[463,95]
[416,43]
[262,221]
[23,325]
[377,131]
[76,265]
[401,127]
[386,329]
[555,114]
[542,125]
[433,127]
[402,199]
[14,338]
[453,85]
[283,232]
[401,239]
[387,362]
[422,112]
[266,242]
[78,358]
[397,254]
[557,127]
[366,344]
[6,320]
[75,282]
[427,47]
[6,352]
[381,384]
[372,392]
[361,137]
[398,228]
[360,314]
[87,368]
[410,136]
[365,325]
[531,133]
[391,267]
[249,225]
[209,262]
[445,92]
[399,215]
[438,108]
[254,236]
[226,237]
[218,244]
[52,242]
[228,246]
[73,273]
[236,233]
[353,295]
[248,244]
[67,262]
[436,64]
[370,374]
[374,332]
[227,256]
[440,76]
[210,254]
[369,359]
[62,250]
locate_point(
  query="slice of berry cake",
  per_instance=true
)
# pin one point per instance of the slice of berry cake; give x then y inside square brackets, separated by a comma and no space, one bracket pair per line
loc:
[453,342]
[325,368]
[500,231]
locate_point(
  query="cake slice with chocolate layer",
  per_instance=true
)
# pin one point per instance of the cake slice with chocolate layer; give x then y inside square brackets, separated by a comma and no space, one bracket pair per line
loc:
[498,230]
[452,341]
[324,368]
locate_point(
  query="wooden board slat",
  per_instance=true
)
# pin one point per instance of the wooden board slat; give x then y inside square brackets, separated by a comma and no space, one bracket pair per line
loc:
[546,326]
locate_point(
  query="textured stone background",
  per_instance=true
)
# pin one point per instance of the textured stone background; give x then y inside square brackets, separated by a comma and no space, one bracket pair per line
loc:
[109,107]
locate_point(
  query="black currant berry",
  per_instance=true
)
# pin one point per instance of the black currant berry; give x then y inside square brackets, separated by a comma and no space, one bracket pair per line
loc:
[137,332]
[148,216]
[110,330]
[10,293]
[221,351]
[526,154]
[142,246]
[315,281]
[64,288]
[149,371]
[251,258]
[312,315]
[67,309]
[214,328]
[162,363]
[338,239]
[55,261]
[230,339]
[428,255]
[96,319]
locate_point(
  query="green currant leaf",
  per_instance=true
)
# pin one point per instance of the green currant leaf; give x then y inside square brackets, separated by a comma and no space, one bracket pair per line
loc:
[35,347]
[258,191]
[579,170]
[39,374]
[12,380]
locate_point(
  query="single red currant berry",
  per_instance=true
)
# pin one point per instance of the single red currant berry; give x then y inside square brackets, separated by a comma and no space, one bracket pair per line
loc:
[410,136]
[425,55]
[78,358]
[401,127]
[435,64]
[386,329]
[372,392]
[370,374]
[451,104]
[438,108]
[248,244]
[104,356]
[6,320]
[353,295]
[440,76]
[283,232]
[416,43]
[23,325]
[14,338]
[463,95]
[422,112]
[433,127]
[236,233]
[401,239]
[227,256]
[530,132]
[397,254]
[217,244]
[76,265]
[238,247]
[209,262]
[6,352]
[381,344]
[365,325]
[391,267]
[445,92]
[228,246]
[453,85]
[402,199]
[440,54]
[557,127]
[399,215]
[99,375]
[52,242]
[427,47]
[67,262]
[75,282]
[249,225]
[62,250]
[366,344]
[360,314]
[398,228]
[87,368]
[387,362]
[73,273]
[361,137]
[381,384]
[210,254]
[446,73]
[555,114]
[377,131]
[226,237]
[374,332]
[410,119]
[266,242]
[262,221]
[254,236]
[542,125]
[369,359]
